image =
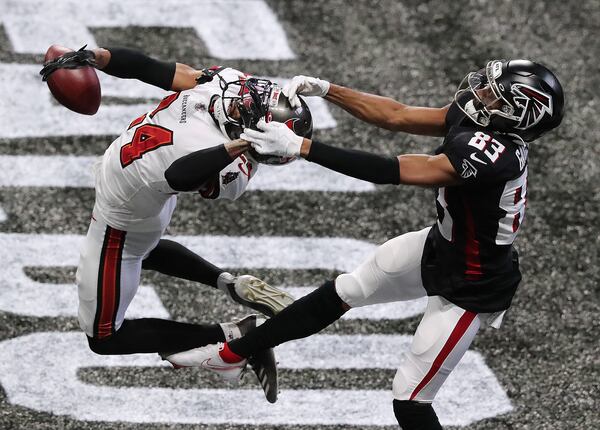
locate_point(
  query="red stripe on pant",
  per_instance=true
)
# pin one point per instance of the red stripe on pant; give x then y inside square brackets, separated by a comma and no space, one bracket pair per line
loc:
[109,279]
[459,330]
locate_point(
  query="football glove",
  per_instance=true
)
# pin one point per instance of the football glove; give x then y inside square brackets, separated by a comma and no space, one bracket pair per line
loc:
[70,60]
[208,74]
[273,138]
[304,86]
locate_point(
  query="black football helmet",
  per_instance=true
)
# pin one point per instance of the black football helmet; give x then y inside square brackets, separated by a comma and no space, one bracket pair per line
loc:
[517,97]
[254,99]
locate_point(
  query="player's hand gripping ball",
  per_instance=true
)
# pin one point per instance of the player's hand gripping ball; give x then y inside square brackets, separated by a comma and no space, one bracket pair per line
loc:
[72,78]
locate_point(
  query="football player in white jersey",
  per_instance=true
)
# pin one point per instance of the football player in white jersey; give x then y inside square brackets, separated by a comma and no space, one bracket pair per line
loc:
[188,143]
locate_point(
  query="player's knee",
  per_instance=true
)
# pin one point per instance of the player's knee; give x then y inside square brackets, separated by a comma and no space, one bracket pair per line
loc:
[100,346]
[350,290]
[402,387]
[106,345]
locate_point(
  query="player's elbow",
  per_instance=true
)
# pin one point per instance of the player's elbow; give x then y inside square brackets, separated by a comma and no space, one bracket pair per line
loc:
[177,182]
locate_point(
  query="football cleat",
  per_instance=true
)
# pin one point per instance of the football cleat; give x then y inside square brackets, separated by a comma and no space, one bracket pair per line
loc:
[264,366]
[250,291]
[231,330]
[207,357]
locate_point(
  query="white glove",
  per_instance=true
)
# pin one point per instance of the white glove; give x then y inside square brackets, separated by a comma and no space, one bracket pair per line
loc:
[304,86]
[274,139]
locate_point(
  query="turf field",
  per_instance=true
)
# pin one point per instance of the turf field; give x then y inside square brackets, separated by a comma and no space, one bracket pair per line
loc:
[299,224]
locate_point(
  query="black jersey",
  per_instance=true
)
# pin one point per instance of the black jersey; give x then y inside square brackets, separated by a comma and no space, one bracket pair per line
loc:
[468,257]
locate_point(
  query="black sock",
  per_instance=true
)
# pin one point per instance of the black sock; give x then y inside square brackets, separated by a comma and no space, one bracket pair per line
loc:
[174,259]
[306,316]
[415,416]
[156,335]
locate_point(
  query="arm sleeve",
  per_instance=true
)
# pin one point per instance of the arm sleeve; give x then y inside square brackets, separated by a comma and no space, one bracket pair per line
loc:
[130,64]
[358,164]
[190,172]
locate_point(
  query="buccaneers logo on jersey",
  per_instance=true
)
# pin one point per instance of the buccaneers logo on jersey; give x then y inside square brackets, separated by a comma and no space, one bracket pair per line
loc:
[534,103]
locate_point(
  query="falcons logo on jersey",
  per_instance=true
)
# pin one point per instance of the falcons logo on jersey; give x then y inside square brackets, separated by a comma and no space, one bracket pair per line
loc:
[535,105]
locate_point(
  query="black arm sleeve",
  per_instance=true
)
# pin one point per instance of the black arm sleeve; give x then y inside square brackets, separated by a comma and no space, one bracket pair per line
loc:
[130,64]
[191,171]
[358,164]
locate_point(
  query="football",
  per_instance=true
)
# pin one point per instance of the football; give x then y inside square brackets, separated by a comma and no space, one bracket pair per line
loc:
[76,89]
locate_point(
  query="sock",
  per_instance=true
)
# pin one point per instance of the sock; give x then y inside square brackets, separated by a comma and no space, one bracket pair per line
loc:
[174,259]
[307,315]
[228,356]
[413,415]
[156,335]
[224,279]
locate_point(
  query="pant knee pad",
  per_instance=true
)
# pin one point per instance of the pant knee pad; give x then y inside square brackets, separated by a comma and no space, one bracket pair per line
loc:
[349,289]
[402,387]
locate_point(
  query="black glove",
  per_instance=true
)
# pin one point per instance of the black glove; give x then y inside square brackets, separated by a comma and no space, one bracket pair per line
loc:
[70,60]
[208,75]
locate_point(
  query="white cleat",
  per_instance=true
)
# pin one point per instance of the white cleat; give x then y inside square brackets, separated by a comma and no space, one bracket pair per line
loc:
[207,357]
[250,291]
[263,363]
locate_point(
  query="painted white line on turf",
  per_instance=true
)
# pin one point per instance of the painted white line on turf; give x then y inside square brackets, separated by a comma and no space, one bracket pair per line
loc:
[76,171]
[19,294]
[388,311]
[31,25]
[29,111]
[36,373]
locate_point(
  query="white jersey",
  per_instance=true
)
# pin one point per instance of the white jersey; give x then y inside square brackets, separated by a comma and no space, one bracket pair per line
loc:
[132,193]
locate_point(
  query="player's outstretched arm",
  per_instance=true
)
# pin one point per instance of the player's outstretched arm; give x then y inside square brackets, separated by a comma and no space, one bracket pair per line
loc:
[410,169]
[388,113]
[277,139]
[131,64]
[381,111]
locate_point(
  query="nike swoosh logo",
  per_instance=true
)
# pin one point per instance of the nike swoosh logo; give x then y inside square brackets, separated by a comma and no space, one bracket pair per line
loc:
[208,365]
[475,158]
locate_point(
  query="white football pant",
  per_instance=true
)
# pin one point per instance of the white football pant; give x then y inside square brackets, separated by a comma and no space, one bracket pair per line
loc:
[393,273]
[108,275]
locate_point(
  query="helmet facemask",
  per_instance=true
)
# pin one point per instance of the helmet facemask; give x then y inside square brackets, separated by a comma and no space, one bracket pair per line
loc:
[486,96]
[242,104]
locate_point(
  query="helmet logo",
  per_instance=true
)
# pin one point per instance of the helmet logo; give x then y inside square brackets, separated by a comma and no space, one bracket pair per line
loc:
[535,105]
[290,123]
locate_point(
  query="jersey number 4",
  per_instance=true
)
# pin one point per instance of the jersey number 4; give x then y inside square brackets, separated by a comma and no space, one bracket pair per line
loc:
[146,138]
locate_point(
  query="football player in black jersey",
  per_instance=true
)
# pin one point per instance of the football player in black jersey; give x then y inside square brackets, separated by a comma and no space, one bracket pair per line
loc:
[465,263]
